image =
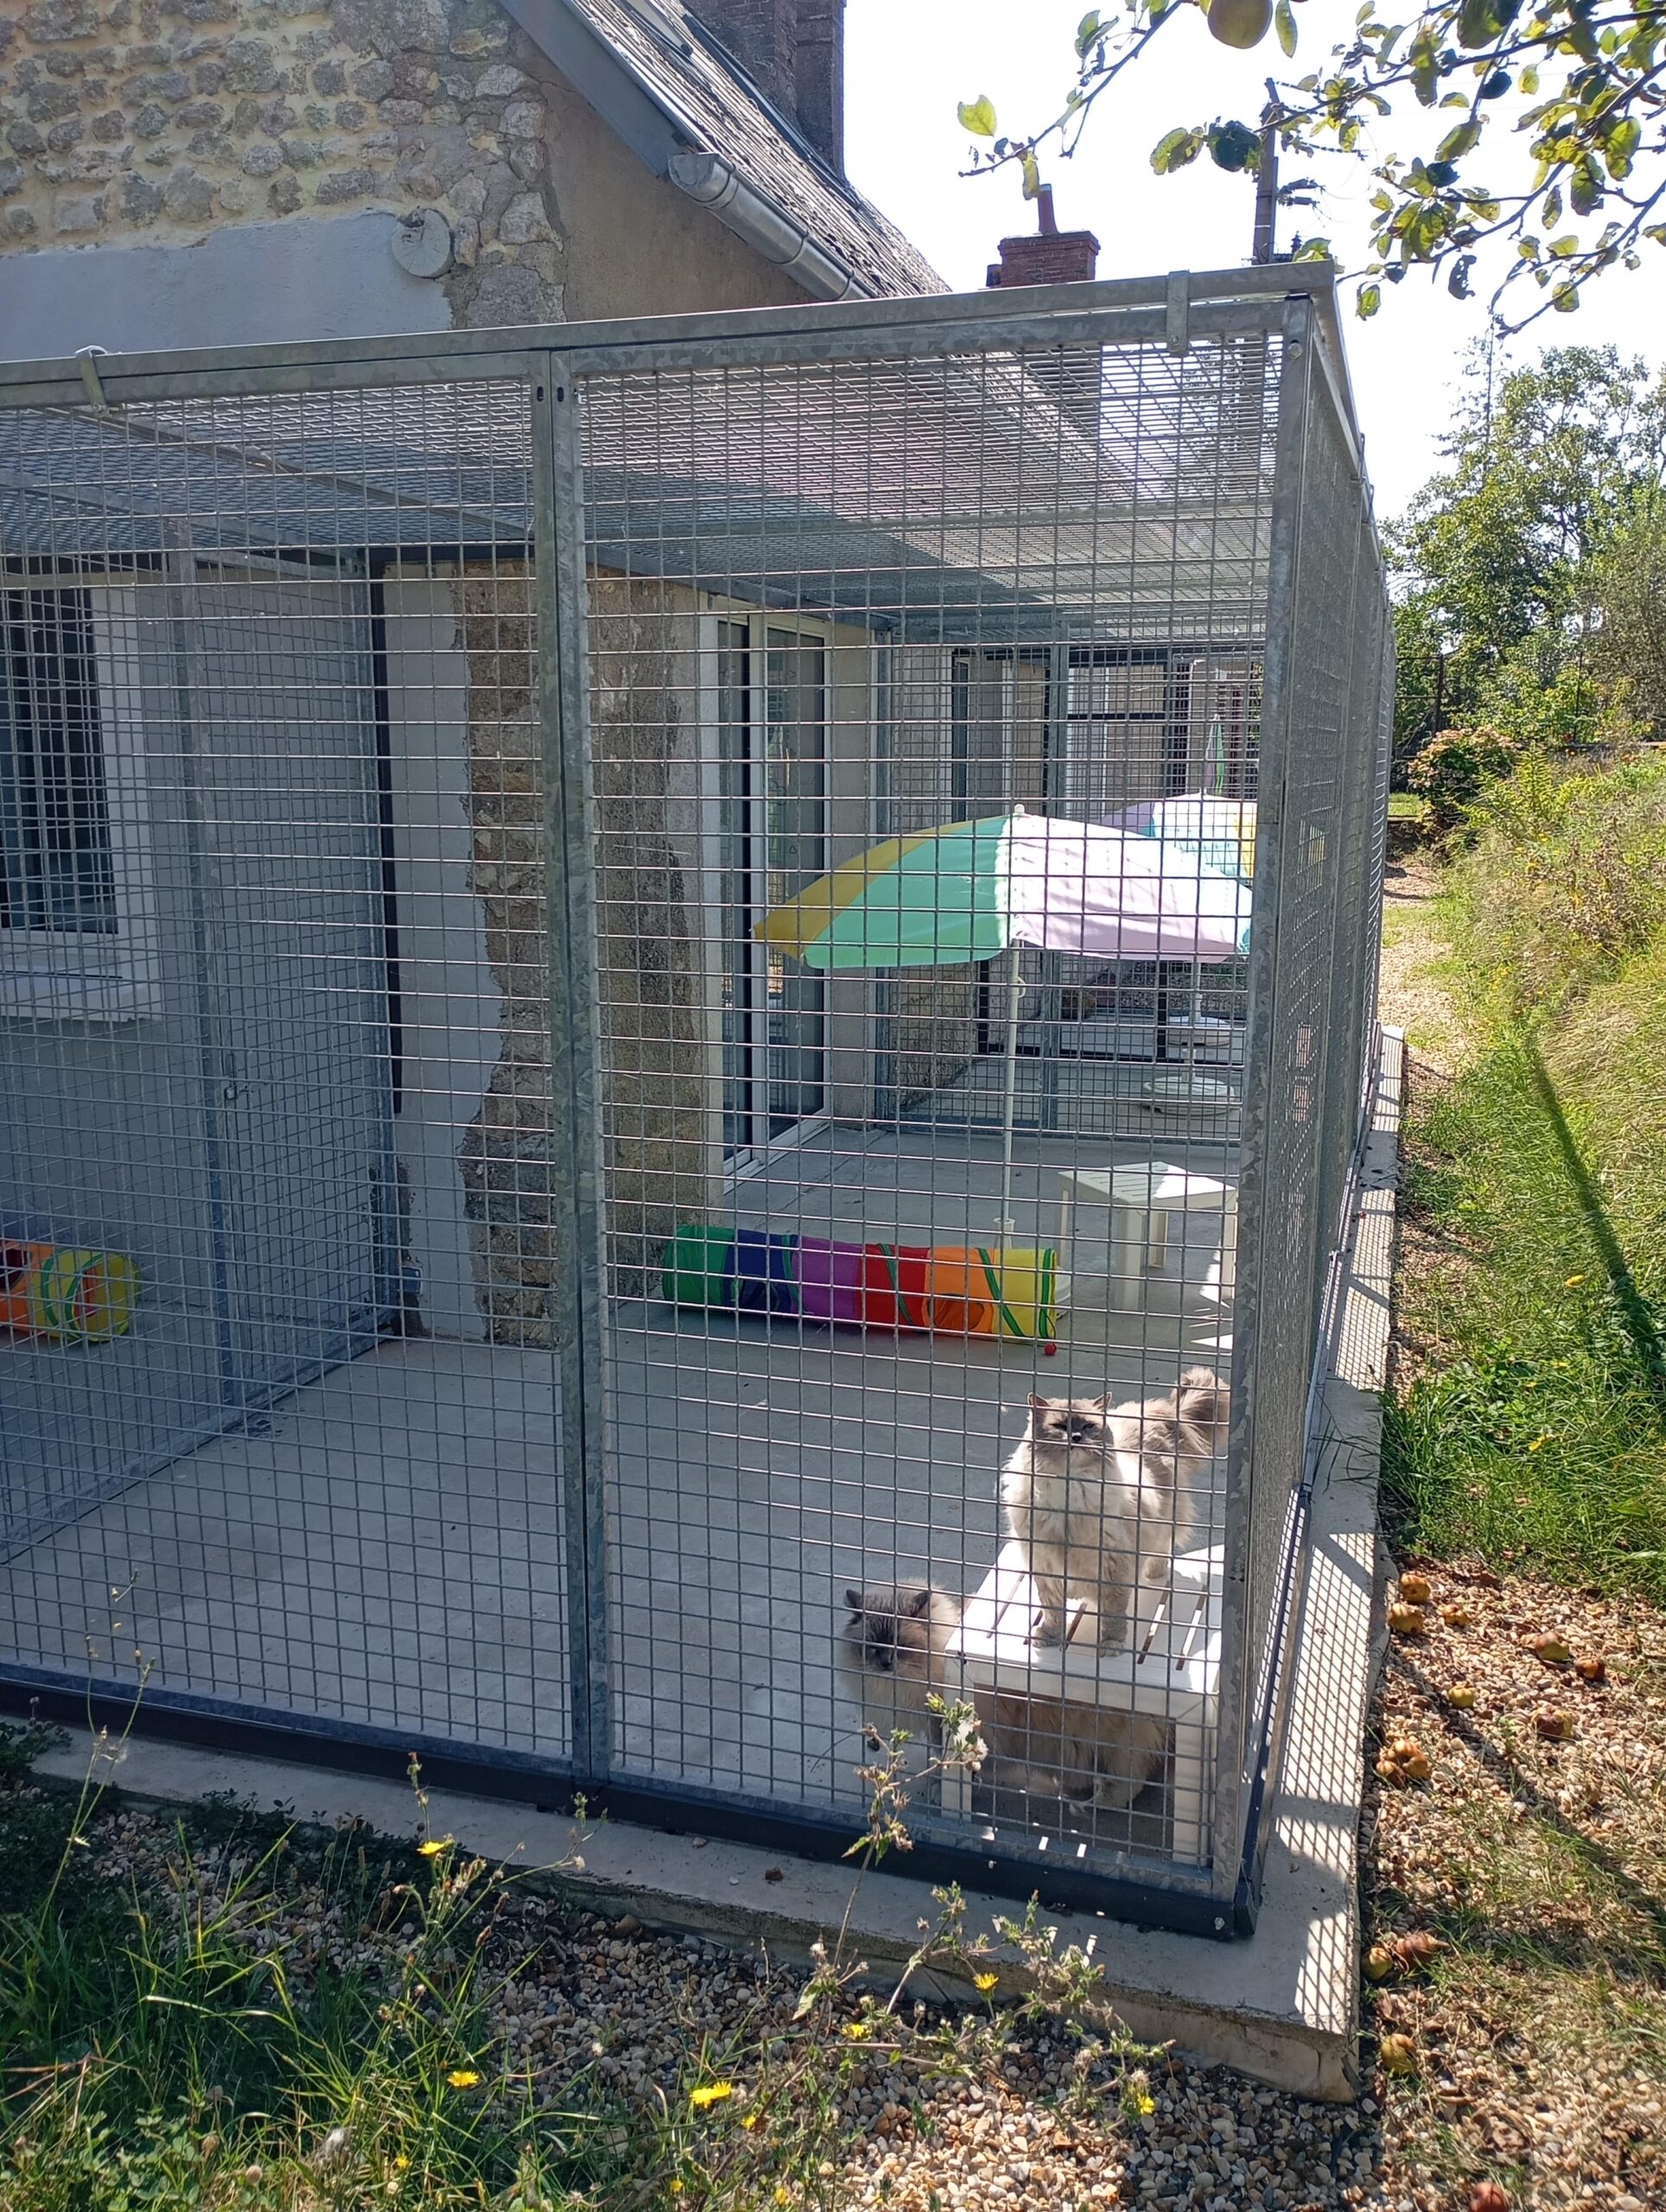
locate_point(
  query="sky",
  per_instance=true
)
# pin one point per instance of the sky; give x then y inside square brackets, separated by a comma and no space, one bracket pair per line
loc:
[908,62]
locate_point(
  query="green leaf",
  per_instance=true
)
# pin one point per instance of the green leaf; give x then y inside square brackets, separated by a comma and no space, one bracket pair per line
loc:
[1087,32]
[1031,169]
[1425,66]
[1284,23]
[1585,187]
[1477,23]
[1621,145]
[1457,143]
[1567,244]
[1529,81]
[977,116]
[1565,299]
[1551,211]
[1656,231]
[1371,298]
[1314,250]
[1174,150]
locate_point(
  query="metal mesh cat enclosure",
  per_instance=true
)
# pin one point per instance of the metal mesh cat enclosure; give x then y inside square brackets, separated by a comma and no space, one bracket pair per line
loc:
[685,1007]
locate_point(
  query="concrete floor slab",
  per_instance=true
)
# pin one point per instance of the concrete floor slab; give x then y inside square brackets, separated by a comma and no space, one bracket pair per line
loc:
[1281,2006]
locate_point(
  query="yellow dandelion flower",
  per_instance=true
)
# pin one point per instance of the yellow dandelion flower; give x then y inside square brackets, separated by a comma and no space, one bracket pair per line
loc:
[751,2120]
[781,2197]
[676,2189]
[985,1982]
[855,2030]
[1147,2106]
[1537,1442]
[431,1849]
[1572,1281]
[711,2093]
[462,2077]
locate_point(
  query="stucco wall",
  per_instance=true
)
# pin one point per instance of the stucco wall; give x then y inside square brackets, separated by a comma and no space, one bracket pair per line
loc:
[160,123]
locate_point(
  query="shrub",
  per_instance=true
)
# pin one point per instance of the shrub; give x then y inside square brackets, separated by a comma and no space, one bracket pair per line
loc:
[1454,768]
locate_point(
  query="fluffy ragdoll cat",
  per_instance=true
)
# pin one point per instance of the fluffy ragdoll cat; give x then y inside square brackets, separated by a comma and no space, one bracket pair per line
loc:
[893,1656]
[1100,1498]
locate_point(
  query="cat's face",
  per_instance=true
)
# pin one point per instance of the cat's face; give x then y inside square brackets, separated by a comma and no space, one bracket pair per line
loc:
[890,1630]
[1066,1421]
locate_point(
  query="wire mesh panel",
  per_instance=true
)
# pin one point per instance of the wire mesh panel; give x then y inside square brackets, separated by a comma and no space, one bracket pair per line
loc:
[1312,976]
[923,700]
[682,1022]
[276,1387]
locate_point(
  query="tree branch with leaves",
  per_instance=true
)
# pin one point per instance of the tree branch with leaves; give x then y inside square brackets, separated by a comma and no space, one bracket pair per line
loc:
[1577,87]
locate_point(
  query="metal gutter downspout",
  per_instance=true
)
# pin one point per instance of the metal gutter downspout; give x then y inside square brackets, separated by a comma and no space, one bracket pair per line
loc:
[738,207]
[660,133]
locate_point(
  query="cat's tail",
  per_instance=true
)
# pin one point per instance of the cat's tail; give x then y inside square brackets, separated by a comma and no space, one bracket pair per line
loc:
[1204,1402]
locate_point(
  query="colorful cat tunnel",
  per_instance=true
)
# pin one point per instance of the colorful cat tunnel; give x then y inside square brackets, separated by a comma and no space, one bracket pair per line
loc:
[973,1290]
[75,1297]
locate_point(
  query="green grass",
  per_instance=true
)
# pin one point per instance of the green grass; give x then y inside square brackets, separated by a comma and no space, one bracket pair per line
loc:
[1407,806]
[1533,1430]
[239,2015]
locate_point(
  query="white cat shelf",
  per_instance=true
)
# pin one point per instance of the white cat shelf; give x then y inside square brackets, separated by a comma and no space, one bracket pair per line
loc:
[1170,1669]
[1113,1233]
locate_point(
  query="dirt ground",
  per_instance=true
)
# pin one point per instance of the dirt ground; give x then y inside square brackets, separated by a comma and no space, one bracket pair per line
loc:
[1411,994]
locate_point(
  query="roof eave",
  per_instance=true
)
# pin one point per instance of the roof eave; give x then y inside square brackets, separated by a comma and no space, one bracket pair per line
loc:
[668,143]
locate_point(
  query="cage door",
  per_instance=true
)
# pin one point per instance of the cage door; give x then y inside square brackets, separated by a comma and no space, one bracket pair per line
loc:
[296,970]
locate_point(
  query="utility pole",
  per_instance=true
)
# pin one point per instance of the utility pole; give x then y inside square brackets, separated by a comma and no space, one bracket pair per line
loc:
[1267,180]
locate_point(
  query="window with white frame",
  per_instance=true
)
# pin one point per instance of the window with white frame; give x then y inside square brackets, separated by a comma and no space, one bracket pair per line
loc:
[1120,735]
[76,927]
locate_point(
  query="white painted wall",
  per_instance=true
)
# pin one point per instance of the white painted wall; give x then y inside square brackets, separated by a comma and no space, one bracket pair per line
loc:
[451,1003]
[250,284]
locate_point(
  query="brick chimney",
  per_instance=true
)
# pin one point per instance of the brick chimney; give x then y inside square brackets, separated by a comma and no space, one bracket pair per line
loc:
[1048,254]
[794,49]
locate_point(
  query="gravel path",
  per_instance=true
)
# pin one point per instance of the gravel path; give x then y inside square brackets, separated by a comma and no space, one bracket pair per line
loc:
[1411,995]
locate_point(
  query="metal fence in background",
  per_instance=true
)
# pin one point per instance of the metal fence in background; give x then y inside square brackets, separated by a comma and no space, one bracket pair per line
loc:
[684,1009]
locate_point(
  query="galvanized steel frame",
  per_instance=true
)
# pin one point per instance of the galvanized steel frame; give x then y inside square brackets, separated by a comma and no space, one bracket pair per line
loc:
[1295,303]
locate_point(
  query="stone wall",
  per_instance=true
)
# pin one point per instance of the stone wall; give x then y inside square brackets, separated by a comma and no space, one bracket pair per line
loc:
[139,121]
[658,1119]
[658,1072]
[507,1155]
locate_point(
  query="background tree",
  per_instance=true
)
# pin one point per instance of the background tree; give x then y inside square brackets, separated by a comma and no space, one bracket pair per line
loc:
[1527,573]
[1582,82]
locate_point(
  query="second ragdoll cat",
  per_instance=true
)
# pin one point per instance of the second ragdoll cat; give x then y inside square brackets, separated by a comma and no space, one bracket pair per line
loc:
[893,1657]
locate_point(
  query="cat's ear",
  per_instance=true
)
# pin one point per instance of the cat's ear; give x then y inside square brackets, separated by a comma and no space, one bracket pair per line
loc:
[1038,1405]
[856,1601]
[1103,1405]
[921,1601]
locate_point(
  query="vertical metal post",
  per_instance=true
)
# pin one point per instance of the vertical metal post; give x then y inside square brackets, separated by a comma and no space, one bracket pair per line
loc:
[575,1178]
[215,1072]
[1258,1239]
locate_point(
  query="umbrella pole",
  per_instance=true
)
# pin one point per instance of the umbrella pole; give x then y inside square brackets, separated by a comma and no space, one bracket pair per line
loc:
[1009,1096]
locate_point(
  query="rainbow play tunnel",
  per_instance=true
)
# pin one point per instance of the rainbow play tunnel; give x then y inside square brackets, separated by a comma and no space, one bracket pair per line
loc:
[952,1289]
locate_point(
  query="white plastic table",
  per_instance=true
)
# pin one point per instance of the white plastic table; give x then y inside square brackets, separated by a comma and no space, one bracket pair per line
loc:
[1113,1227]
[1171,1669]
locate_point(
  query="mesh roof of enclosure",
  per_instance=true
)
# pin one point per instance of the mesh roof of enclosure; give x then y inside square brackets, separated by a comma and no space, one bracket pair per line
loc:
[932,497]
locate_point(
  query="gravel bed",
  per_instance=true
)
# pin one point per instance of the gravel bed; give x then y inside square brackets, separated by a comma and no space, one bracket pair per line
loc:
[1535,1851]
